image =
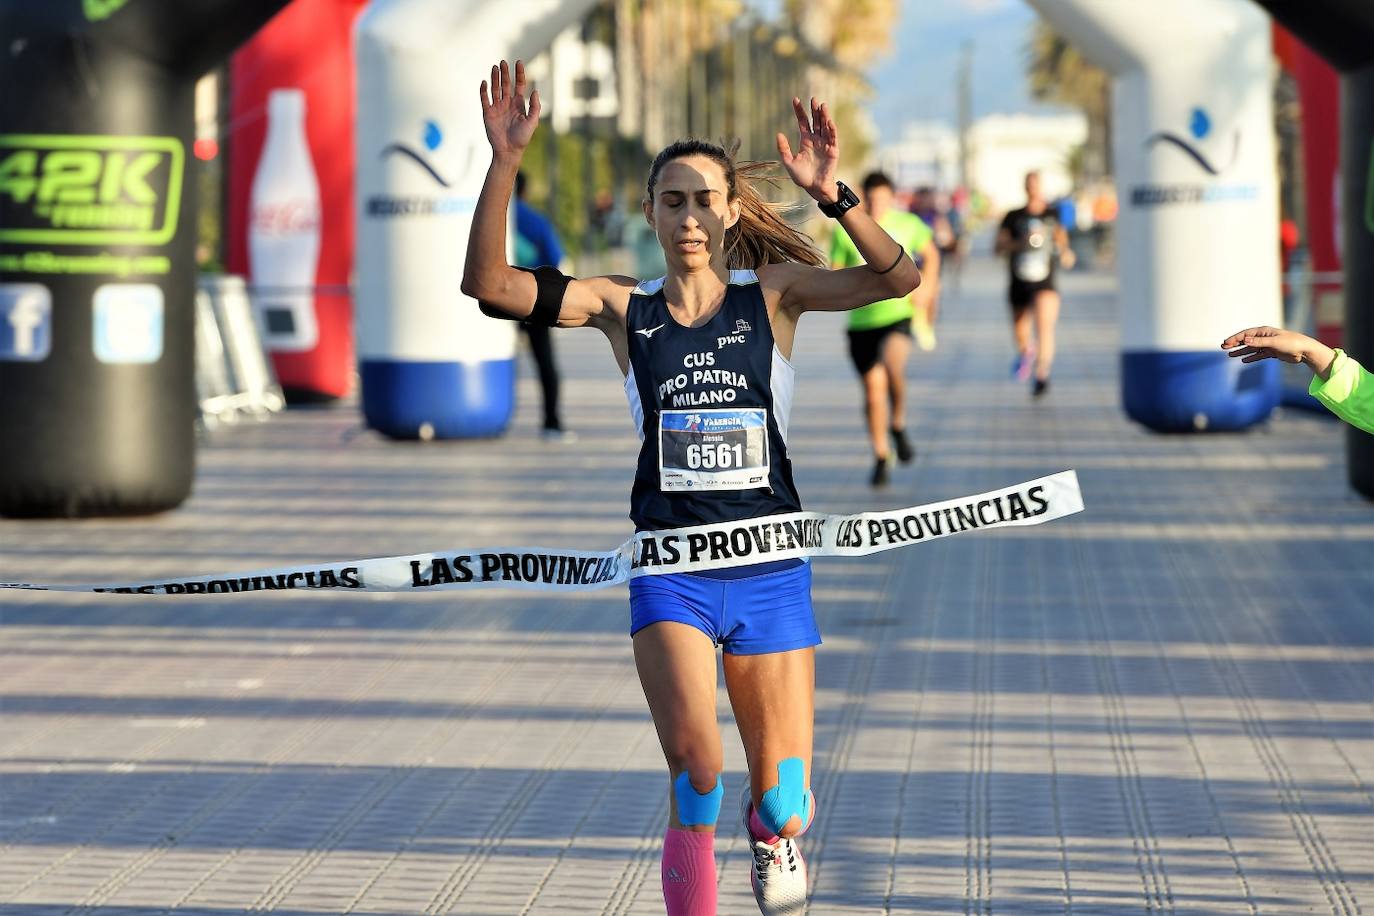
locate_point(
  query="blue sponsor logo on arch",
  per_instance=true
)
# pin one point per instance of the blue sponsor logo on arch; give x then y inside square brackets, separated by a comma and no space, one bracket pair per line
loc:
[1208,159]
[1199,125]
[431,136]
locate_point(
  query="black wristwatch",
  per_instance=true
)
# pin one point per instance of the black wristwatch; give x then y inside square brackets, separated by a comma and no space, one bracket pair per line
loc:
[848,201]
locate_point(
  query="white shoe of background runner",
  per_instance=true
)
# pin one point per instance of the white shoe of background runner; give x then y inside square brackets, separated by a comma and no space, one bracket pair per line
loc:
[779,876]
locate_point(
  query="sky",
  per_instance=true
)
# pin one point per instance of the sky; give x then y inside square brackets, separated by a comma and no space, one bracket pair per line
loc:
[917,80]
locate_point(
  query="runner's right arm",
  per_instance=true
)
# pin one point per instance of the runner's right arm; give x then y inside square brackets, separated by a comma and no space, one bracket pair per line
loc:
[490,279]
[487,276]
[1004,239]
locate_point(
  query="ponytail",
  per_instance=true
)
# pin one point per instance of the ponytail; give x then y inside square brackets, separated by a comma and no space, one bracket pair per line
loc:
[761,235]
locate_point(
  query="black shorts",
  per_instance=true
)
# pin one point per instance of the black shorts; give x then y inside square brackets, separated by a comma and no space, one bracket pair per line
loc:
[865,346]
[1022,294]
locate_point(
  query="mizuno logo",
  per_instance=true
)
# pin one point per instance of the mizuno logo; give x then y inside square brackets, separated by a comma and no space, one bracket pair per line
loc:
[649,332]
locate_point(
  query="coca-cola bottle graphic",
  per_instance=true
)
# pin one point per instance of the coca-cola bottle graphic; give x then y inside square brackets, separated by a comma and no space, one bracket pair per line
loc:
[284,228]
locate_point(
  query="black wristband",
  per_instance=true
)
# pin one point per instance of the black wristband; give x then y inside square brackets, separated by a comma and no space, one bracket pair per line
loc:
[901,253]
[847,201]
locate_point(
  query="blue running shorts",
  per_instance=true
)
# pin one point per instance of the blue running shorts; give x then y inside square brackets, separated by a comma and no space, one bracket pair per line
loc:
[748,615]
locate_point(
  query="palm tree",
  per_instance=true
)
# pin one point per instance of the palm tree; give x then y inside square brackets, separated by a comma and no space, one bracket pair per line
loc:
[1058,73]
[852,33]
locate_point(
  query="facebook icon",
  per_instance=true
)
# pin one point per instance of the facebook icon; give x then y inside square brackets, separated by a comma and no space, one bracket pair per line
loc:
[25,322]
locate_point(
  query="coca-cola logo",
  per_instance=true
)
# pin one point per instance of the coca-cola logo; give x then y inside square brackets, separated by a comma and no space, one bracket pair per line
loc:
[286,217]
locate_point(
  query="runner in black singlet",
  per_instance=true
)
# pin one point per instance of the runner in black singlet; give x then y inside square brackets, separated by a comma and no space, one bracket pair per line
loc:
[705,352]
[1034,242]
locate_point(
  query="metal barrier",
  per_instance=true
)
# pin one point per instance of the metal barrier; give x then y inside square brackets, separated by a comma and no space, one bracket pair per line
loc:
[234,377]
[1312,300]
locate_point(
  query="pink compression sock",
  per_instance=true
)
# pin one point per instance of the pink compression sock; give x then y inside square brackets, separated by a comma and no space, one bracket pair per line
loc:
[689,873]
[758,830]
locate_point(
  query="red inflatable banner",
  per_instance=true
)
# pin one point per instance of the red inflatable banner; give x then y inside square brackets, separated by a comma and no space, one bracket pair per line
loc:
[290,201]
[1319,94]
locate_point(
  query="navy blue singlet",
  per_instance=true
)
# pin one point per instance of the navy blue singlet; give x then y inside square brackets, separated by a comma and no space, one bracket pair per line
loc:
[711,404]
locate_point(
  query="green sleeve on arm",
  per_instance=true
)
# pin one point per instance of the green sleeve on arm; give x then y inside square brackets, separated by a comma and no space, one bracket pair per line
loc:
[1348,392]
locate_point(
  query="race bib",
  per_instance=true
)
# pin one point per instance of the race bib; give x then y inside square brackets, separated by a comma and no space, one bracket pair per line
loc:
[725,449]
[1032,264]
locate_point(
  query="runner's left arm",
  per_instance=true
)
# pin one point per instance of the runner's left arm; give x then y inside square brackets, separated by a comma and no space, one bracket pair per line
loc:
[889,270]
[1067,258]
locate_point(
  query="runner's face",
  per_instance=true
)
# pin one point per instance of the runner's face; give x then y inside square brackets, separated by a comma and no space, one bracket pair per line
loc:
[690,212]
[878,201]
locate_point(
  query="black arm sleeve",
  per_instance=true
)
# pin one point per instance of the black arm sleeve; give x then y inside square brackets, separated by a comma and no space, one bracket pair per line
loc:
[491,311]
[551,285]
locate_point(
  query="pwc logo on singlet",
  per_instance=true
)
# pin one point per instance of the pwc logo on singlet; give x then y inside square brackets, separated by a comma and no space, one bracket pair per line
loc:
[737,337]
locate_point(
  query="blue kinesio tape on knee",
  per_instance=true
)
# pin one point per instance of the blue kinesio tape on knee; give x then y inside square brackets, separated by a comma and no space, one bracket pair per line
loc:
[788,799]
[694,808]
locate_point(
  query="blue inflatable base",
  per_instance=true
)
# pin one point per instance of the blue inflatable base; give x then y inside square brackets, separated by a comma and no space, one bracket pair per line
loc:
[410,400]
[1298,397]
[1193,392]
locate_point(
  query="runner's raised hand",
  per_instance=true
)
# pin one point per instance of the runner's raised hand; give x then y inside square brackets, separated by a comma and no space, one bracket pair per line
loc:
[813,166]
[509,121]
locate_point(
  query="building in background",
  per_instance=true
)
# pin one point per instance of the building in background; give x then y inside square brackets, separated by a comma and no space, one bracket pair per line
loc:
[1003,148]
[927,155]
[576,77]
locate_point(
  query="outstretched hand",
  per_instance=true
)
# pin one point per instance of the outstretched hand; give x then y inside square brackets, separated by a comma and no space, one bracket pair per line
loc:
[509,121]
[1254,344]
[813,166]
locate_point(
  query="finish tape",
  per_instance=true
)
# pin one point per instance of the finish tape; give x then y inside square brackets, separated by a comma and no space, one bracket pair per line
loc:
[648,553]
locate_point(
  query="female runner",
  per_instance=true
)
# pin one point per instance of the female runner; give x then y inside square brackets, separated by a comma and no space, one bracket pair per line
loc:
[704,350]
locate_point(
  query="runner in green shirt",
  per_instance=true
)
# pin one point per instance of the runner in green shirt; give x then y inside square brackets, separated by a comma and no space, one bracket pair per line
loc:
[880,333]
[1343,385]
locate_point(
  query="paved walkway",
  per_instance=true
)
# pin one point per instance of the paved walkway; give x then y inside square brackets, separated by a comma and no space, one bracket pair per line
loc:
[1162,704]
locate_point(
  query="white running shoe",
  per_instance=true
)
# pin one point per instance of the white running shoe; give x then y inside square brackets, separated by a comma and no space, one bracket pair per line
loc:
[779,875]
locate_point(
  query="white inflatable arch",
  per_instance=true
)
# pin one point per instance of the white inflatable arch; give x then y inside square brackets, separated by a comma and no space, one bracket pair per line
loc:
[1196,171]
[431,363]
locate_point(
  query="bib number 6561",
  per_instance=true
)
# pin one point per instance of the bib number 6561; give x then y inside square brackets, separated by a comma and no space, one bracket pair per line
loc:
[713,456]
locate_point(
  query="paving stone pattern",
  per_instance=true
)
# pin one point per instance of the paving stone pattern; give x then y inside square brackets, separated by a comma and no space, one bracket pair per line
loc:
[1160,705]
